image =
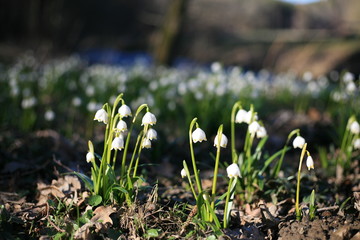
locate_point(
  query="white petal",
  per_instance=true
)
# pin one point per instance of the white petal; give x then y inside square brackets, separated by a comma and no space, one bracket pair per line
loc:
[233,171]
[198,135]
[124,111]
[299,142]
[148,118]
[223,141]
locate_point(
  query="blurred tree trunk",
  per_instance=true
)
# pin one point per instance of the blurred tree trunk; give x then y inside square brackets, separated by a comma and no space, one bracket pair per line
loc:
[165,39]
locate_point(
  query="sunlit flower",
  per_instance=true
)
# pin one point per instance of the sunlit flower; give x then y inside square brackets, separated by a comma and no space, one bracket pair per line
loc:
[151,134]
[124,110]
[299,142]
[223,141]
[148,118]
[121,126]
[49,115]
[357,143]
[261,132]
[350,87]
[254,127]
[310,162]
[348,77]
[90,157]
[146,143]
[355,127]
[198,135]
[241,116]
[117,143]
[233,170]
[183,173]
[101,116]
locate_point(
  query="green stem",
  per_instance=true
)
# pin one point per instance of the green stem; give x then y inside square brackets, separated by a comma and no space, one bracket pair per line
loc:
[140,148]
[297,208]
[189,179]
[196,174]
[216,169]
[227,202]
[236,106]
[279,163]
[123,162]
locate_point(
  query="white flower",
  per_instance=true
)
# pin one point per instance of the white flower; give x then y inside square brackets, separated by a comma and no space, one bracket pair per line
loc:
[183,173]
[101,116]
[198,135]
[117,143]
[223,141]
[299,142]
[90,157]
[261,132]
[124,111]
[357,144]
[310,162]
[151,134]
[148,118]
[49,115]
[254,127]
[241,116]
[233,171]
[121,126]
[146,143]
[355,127]
[76,101]
[348,77]
[350,87]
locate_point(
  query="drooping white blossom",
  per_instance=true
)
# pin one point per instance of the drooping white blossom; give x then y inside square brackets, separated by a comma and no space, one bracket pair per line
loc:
[198,135]
[299,142]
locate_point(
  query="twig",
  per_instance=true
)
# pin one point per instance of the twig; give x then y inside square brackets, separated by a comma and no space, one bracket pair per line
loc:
[188,220]
[327,208]
[51,223]
[58,162]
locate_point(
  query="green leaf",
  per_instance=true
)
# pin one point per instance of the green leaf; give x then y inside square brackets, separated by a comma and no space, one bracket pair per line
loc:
[152,233]
[211,237]
[95,200]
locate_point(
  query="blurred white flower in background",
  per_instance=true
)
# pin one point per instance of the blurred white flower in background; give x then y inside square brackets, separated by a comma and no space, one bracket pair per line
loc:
[49,115]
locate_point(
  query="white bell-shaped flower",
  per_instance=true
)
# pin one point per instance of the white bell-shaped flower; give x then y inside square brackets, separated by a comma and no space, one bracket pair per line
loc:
[254,127]
[261,132]
[357,143]
[151,134]
[121,126]
[183,173]
[117,143]
[233,170]
[124,111]
[148,118]
[146,143]
[198,135]
[309,162]
[101,116]
[90,157]
[355,127]
[241,116]
[299,142]
[223,141]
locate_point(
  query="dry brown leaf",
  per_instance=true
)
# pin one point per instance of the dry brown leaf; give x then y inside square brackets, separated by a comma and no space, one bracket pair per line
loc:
[357,200]
[102,214]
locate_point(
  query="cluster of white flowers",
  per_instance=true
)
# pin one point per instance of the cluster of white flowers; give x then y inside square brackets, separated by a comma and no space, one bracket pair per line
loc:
[250,117]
